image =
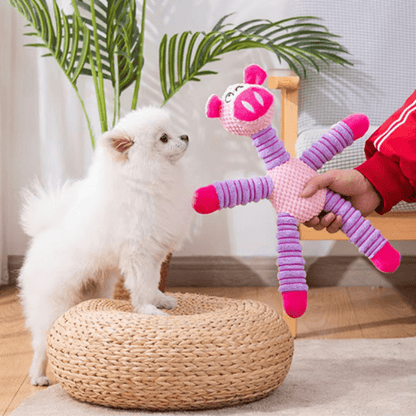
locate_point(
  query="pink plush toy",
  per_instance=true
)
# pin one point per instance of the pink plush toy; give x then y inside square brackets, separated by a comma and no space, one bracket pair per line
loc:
[246,110]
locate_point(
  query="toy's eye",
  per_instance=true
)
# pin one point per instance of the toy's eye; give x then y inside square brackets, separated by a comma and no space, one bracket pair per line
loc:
[239,87]
[228,97]
[164,138]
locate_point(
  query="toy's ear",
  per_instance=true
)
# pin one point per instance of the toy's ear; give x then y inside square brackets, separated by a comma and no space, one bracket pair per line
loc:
[213,106]
[253,74]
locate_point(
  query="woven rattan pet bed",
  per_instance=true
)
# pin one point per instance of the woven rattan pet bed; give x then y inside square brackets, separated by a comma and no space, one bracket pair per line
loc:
[210,352]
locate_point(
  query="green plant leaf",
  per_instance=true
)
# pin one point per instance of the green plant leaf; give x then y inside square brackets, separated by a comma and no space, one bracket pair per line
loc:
[62,35]
[171,59]
[118,39]
[51,27]
[181,53]
[300,42]
[162,65]
[219,26]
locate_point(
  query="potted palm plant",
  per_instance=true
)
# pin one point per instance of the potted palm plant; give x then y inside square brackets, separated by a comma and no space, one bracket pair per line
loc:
[104,39]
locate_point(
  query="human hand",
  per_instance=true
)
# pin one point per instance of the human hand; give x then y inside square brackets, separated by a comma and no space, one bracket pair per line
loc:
[351,184]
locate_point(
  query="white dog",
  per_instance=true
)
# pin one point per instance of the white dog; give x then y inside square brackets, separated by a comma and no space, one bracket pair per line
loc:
[127,214]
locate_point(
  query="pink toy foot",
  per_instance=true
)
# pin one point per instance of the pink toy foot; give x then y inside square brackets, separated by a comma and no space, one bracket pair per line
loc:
[206,200]
[295,303]
[387,259]
[358,123]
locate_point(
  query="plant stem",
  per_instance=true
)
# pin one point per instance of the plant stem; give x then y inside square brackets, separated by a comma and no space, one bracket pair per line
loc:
[86,116]
[73,83]
[101,110]
[116,116]
[100,90]
[140,61]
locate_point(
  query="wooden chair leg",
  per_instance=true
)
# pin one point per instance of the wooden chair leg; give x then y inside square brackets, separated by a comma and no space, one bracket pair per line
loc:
[291,323]
[289,119]
[288,83]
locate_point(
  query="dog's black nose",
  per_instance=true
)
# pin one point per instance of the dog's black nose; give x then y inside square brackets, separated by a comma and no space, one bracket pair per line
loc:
[185,138]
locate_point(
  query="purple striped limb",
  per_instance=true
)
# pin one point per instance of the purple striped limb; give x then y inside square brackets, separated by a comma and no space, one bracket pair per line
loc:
[359,231]
[292,275]
[336,140]
[242,191]
[331,143]
[270,148]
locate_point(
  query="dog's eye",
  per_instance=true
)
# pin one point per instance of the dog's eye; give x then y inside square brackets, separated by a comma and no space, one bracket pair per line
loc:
[164,138]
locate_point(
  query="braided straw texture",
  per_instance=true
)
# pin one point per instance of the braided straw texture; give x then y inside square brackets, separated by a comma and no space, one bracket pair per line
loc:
[210,352]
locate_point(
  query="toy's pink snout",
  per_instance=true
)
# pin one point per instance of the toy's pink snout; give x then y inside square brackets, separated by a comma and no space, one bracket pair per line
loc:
[252,103]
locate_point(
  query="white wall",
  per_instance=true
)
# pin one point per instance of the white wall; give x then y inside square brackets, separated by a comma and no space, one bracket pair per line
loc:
[47,135]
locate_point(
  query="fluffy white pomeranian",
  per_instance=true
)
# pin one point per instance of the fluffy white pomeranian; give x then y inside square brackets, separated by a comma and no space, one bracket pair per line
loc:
[130,211]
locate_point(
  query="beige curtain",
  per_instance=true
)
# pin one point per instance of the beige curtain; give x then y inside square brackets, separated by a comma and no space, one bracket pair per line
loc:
[42,130]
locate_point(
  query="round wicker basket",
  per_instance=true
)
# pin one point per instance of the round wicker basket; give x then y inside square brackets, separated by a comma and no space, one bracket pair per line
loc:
[210,352]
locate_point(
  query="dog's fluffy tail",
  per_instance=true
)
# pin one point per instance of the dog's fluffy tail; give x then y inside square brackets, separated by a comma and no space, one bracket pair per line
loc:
[43,207]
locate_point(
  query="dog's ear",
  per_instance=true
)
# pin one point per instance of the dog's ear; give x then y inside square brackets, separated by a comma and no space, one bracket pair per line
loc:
[117,144]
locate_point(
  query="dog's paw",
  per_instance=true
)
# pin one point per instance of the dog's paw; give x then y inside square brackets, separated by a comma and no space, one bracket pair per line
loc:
[165,302]
[150,310]
[40,381]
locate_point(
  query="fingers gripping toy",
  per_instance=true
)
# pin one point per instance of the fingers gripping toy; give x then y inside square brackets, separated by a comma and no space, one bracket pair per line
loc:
[246,110]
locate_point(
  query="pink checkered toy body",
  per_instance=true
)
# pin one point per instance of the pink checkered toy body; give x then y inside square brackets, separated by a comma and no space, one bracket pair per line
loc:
[246,110]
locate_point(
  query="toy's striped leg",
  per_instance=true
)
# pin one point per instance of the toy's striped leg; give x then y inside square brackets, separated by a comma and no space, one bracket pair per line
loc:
[369,241]
[230,193]
[335,140]
[292,282]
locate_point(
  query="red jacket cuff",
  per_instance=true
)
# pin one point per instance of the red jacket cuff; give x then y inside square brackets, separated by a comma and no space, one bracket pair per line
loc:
[387,179]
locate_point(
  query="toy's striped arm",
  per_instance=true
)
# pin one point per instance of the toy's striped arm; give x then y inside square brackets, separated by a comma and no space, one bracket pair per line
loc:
[230,193]
[335,140]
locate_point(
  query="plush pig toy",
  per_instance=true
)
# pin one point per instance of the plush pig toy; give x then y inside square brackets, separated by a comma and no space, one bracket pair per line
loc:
[246,110]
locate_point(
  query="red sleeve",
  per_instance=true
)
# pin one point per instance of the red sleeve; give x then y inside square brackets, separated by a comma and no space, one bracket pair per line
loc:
[388,180]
